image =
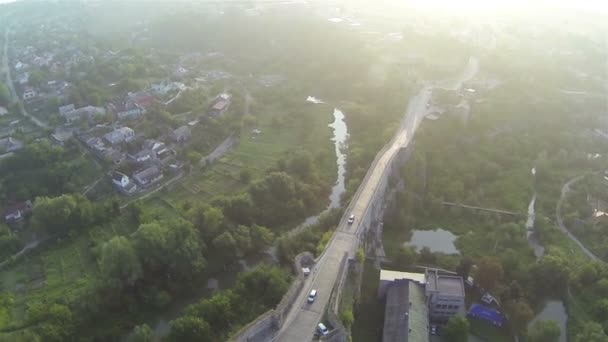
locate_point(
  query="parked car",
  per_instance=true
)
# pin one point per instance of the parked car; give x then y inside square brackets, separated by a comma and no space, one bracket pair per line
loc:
[312,296]
[351,219]
[322,329]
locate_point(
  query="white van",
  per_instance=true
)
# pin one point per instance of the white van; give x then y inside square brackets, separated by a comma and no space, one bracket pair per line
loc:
[312,296]
[322,329]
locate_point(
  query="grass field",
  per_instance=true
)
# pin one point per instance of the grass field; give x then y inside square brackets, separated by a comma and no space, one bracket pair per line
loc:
[258,153]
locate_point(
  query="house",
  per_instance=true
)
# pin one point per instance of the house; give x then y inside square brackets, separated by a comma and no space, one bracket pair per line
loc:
[3,111]
[120,135]
[148,176]
[73,115]
[29,93]
[220,104]
[142,156]
[123,183]
[406,313]
[63,110]
[164,88]
[126,110]
[388,277]
[17,211]
[154,145]
[181,134]
[10,145]
[445,295]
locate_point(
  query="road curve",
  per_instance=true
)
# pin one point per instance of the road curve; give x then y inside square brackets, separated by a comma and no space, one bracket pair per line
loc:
[302,319]
[560,218]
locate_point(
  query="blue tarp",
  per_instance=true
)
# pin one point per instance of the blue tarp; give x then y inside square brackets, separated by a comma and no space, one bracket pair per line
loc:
[486,314]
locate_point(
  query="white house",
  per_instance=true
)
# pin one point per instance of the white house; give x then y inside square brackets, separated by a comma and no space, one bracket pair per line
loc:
[123,183]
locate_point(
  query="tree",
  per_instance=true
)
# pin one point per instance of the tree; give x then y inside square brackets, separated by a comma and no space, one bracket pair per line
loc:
[245,176]
[55,321]
[406,256]
[190,329]
[261,237]
[457,329]
[591,332]
[347,318]
[520,314]
[490,272]
[171,246]
[194,157]
[119,265]
[142,333]
[544,331]
[226,245]
[5,95]
[61,214]
[464,267]
[360,255]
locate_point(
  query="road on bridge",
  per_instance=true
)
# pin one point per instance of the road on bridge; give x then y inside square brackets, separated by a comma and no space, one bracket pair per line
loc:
[300,322]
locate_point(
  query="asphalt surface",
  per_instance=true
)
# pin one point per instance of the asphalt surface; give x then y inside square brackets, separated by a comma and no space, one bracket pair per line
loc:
[300,323]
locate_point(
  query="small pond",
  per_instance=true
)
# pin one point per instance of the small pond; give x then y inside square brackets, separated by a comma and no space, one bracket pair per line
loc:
[438,240]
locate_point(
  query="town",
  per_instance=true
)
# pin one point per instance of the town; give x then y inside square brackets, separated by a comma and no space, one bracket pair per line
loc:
[298,170]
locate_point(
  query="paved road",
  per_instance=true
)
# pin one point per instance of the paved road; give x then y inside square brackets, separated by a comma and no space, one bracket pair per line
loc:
[560,218]
[11,87]
[301,321]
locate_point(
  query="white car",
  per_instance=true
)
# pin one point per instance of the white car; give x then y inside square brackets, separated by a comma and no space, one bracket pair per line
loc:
[322,329]
[312,296]
[351,219]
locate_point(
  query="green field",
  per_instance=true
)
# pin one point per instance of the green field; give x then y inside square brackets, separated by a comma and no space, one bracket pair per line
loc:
[258,153]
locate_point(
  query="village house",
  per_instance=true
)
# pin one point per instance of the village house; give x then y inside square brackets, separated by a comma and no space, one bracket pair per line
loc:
[3,111]
[220,104]
[181,134]
[126,110]
[17,211]
[123,183]
[120,135]
[28,93]
[10,144]
[148,176]
[71,115]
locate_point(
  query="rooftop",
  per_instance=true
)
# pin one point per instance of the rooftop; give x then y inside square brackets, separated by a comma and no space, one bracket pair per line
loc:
[395,275]
[406,313]
[444,284]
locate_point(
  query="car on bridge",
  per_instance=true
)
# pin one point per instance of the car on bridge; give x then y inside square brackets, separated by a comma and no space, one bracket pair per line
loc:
[351,219]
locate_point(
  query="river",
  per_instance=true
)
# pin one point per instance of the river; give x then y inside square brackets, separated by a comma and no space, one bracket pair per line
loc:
[531,234]
[438,240]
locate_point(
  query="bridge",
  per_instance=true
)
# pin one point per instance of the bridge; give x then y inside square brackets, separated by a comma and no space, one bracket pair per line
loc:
[296,319]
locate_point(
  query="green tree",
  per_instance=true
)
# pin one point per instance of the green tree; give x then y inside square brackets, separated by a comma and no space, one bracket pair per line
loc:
[5,95]
[591,332]
[119,265]
[347,318]
[142,333]
[171,246]
[360,255]
[226,245]
[61,214]
[544,331]
[490,272]
[55,322]
[406,256]
[194,157]
[261,237]
[457,329]
[520,314]
[190,329]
